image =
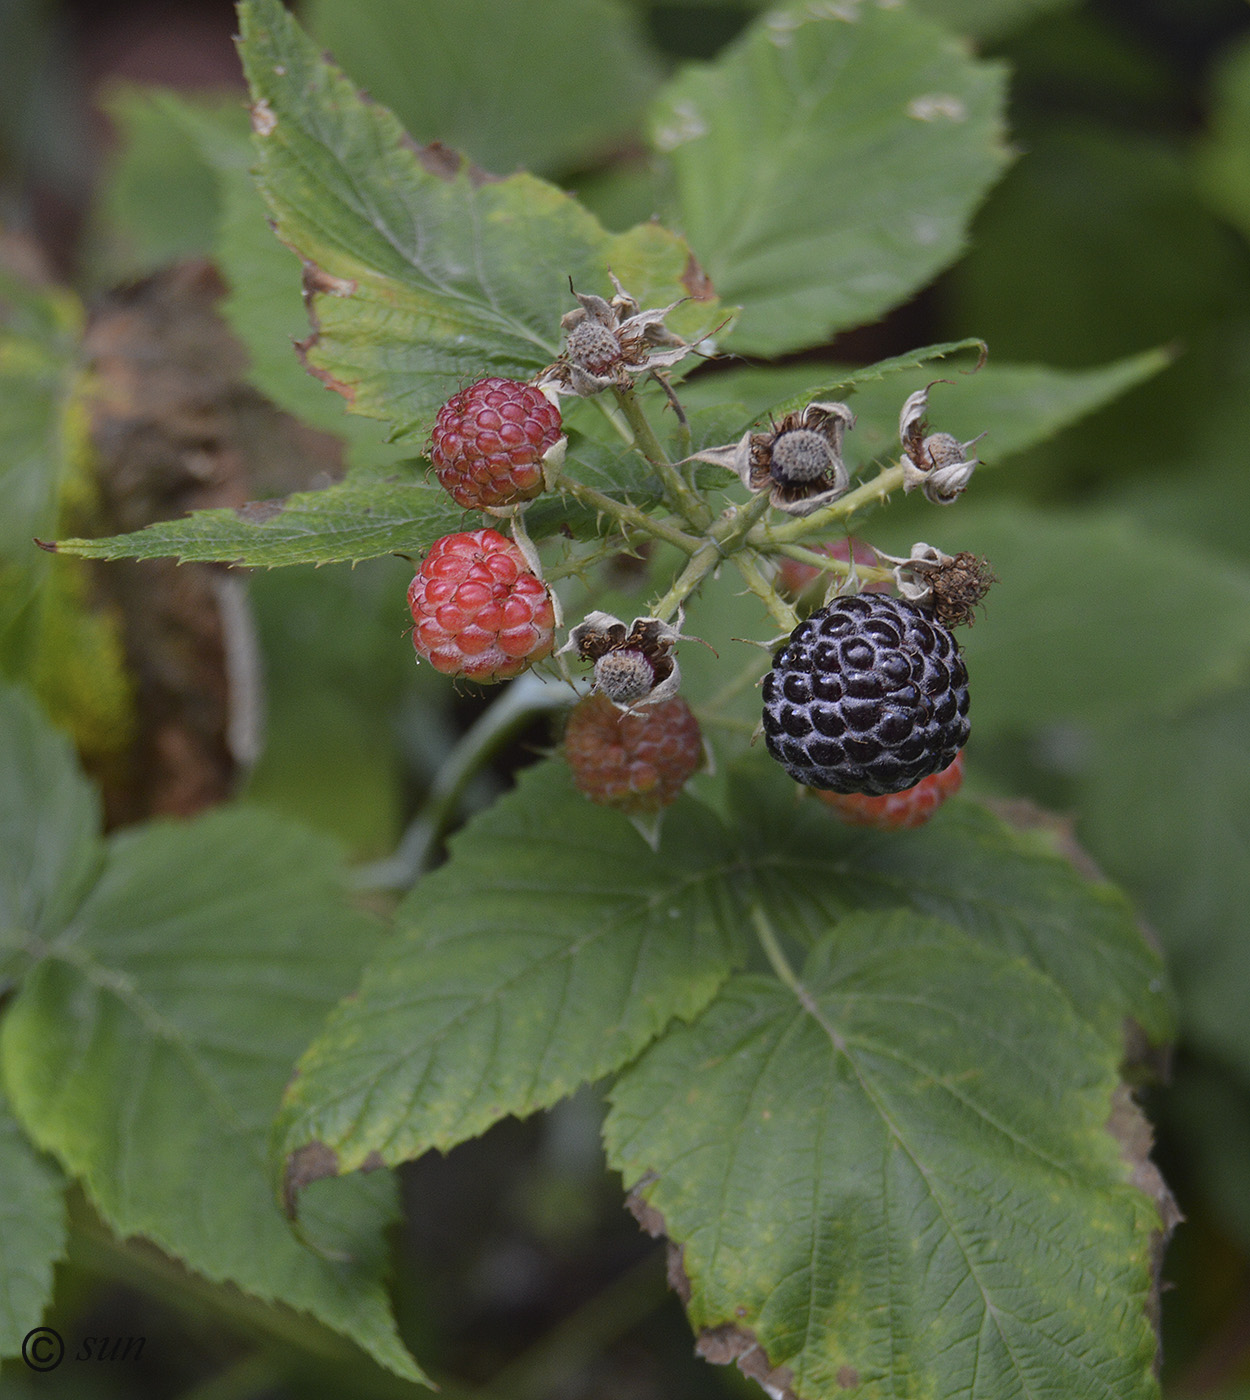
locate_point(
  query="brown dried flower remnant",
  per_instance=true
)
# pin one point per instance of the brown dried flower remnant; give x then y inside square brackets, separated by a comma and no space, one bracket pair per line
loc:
[951,586]
[799,461]
[938,463]
[633,665]
[607,343]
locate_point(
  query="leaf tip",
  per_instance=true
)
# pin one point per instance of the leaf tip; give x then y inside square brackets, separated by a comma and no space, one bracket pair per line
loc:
[49,546]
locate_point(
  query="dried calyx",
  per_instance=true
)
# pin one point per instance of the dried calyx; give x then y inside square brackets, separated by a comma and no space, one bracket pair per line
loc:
[633,665]
[938,463]
[608,343]
[949,585]
[798,462]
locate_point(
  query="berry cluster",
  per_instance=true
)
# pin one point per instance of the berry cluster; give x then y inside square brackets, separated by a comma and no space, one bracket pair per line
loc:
[867,699]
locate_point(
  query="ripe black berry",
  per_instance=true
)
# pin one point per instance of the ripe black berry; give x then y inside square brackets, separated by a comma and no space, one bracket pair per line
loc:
[868,695]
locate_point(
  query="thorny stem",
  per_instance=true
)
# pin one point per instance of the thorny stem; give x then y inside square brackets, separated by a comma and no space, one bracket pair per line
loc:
[794,530]
[736,523]
[782,613]
[676,488]
[826,564]
[626,514]
[578,565]
[696,570]
[725,537]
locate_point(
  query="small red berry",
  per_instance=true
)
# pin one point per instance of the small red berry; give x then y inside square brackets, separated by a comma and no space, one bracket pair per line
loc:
[488,443]
[479,610]
[638,760]
[897,811]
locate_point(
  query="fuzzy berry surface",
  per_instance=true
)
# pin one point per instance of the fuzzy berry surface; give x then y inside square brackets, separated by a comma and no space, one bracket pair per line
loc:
[637,761]
[898,811]
[488,442]
[478,610]
[868,695]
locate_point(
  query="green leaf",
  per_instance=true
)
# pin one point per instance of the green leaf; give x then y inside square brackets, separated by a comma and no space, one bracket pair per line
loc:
[341,524]
[1080,588]
[1224,156]
[1005,888]
[554,946]
[148,1047]
[827,163]
[421,276]
[32,1233]
[358,519]
[49,820]
[158,198]
[1015,406]
[900,1180]
[547,952]
[265,305]
[1165,806]
[1095,218]
[543,86]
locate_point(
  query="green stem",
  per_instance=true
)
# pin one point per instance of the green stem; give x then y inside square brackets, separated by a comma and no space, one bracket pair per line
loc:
[696,570]
[676,489]
[527,696]
[828,565]
[628,515]
[738,521]
[781,611]
[805,526]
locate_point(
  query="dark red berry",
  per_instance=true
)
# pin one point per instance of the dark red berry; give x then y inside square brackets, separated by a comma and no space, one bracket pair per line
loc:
[636,760]
[488,443]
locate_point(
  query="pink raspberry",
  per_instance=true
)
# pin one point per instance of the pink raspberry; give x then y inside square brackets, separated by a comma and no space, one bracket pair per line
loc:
[638,760]
[478,609]
[488,443]
[897,811]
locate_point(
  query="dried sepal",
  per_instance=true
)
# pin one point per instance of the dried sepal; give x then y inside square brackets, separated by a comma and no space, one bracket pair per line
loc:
[938,463]
[798,461]
[608,343]
[634,665]
[949,585]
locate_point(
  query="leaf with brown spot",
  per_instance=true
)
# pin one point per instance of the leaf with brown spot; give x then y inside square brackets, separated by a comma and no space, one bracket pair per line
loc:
[455,275]
[896,1176]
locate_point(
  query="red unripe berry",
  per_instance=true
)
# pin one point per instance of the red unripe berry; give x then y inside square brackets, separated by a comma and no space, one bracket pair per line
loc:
[638,760]
[897,811]
[478,609]
[488,442]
